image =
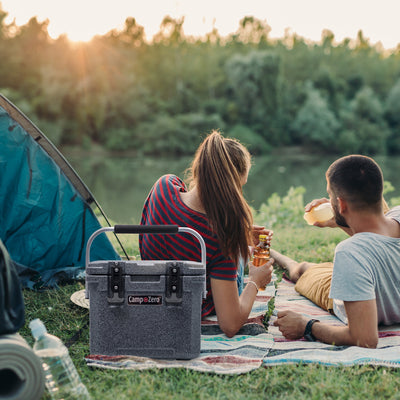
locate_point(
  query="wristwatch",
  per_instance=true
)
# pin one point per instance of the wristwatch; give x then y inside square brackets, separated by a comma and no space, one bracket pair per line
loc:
[308,331]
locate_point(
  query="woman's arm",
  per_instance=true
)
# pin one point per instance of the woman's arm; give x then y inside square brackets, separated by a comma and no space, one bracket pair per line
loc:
[232,310]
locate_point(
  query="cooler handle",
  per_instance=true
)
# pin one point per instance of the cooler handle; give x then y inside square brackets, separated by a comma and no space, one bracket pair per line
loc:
[162,229]
[153,229]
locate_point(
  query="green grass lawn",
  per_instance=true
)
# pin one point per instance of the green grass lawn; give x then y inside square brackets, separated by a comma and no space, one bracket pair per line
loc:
[64,319]
[292,237]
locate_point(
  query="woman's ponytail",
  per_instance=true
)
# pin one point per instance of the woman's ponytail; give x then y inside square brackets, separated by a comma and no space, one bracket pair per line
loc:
[218,170]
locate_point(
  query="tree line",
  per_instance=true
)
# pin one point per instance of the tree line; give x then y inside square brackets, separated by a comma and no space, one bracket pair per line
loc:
[158,97]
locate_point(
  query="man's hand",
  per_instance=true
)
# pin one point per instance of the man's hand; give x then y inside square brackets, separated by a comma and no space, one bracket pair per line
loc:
[260,230]
[291,324]
[316,202]
[330,223]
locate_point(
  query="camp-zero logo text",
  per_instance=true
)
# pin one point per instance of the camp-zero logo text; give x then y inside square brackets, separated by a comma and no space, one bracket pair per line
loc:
[147,300]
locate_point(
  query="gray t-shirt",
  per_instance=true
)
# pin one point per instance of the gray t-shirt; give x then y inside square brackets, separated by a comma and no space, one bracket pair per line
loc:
[366,267]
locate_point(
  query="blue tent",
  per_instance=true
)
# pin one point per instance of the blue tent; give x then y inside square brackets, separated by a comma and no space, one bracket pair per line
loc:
[46,214]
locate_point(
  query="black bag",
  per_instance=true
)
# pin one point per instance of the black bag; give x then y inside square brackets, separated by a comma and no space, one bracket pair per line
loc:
[12,310]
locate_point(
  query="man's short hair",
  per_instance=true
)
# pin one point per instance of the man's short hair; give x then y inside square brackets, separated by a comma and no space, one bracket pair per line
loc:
[357,179]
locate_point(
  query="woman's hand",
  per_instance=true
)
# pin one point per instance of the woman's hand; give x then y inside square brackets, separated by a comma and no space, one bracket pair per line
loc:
[261,275]
[232,311]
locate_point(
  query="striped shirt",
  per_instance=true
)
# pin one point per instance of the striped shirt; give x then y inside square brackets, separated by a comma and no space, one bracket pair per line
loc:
[164,206]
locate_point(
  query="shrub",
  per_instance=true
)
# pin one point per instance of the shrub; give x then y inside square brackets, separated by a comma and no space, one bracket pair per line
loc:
[287,210]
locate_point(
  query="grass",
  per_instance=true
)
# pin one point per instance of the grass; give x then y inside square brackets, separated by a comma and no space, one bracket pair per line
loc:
[64,319]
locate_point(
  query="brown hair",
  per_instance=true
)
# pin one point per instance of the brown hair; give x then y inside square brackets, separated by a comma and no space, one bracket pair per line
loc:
[358,179]
[217,170]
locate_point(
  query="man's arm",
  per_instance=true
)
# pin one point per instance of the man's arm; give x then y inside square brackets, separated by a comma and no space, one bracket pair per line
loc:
[362,329]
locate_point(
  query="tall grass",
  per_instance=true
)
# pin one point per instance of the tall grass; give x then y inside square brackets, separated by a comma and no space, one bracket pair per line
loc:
[292,237]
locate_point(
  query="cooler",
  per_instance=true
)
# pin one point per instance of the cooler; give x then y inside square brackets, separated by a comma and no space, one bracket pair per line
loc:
[146,308]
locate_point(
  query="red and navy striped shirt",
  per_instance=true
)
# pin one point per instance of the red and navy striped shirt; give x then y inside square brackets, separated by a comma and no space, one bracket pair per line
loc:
[164,206]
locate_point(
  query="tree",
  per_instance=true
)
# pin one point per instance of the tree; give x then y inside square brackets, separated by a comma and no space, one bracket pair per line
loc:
[315,123]
[327,39]
[171,31]
[33,42]
[362,43]
[108,88]
[392,104]
[132,35]
[392,108]
[7,77]
[3,27]
[365,130]
[252,31]
[330,86]
[255,82]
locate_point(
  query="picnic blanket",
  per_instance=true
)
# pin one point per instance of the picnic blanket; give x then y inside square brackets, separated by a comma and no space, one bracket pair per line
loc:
[219,354]
[286,351]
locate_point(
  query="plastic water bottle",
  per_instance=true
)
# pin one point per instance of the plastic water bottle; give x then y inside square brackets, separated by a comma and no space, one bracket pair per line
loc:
[61,377]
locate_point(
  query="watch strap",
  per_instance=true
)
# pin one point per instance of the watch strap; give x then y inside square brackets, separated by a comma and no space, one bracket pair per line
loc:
[308,331]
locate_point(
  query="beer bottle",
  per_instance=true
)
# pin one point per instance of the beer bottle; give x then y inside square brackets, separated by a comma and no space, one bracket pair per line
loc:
[261,252]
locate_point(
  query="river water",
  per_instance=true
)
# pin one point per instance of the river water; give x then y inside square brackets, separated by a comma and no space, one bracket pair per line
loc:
[121,184]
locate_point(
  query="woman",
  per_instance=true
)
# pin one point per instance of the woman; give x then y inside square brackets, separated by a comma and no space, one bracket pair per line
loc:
[215,207]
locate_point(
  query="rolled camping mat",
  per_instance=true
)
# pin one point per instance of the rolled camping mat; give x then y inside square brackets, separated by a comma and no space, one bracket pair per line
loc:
[21,372]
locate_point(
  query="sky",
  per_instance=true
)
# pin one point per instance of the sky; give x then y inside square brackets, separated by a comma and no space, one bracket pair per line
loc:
[82,19]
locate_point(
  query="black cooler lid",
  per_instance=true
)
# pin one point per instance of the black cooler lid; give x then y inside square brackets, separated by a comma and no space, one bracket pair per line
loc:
[146,268]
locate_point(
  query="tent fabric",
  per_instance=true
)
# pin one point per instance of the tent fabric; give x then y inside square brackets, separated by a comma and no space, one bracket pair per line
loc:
[45,219]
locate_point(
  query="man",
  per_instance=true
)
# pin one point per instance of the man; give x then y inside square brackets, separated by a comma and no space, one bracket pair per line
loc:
[365,274]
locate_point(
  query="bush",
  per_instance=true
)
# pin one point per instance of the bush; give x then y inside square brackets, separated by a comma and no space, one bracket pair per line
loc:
[119,139]
[287,210]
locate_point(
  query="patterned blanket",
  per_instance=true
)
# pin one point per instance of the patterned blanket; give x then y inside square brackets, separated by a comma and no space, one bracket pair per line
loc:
[253,346]
[219,354]
[300,351]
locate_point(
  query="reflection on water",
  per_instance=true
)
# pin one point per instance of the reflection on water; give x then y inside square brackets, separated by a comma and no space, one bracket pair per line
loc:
[121,184]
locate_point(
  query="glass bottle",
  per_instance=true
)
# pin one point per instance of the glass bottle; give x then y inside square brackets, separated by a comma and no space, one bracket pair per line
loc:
[261,253]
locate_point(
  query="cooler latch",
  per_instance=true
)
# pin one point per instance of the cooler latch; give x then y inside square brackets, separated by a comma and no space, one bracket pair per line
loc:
[116,283]
[174,284]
